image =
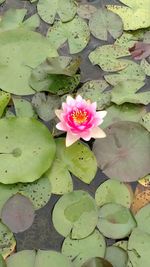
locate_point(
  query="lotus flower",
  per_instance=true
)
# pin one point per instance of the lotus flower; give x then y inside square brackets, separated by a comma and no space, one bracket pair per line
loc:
[79,119]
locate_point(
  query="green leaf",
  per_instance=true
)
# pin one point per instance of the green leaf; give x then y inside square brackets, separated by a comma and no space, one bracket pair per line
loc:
[71,213]
[122,244]
[6,191]
[27,150]
[115,221]
[51,258]
[97,262]
[76,32]
[45,106]
[25,258]
[143,219]
[114,191]
[2,1]
[124,153]
[145,66]
[95,91]
[145,121]
[23,108]
[60,178]
[47,10]
[7,241]
[135,13]
[84,249]
[85,11]
[4,100]
[108,57]
[21,50]
[2,262]
[78,159]
[103,22]
[32,22]
[116,256]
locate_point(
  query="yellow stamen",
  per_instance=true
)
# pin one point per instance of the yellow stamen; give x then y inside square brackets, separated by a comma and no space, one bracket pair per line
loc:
[79,116]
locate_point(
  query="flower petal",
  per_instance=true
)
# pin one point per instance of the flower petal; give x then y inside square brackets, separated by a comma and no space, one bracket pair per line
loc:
[79,98]
[58,113]
[101,114]
[97,133]
[70,101]
[71,138]
[60,126]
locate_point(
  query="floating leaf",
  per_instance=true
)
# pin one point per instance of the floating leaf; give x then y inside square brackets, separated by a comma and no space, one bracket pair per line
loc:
[23,108]
[116,256]
[140,50]
[95,91]
[76,32]
[71,213]
[114,191]
[7,241]
[145,181]
[48,9]
[125,152]
[21,50]
[78,159]
[60,178]
[103,22]
[4,100]
[145,66]
[6,191]
[108,57]
[145,121]
[115,221]
[122,244]
[127,40]
[79,251]
[18,213]
[126,91]
[143,219]
[141,198]
[2,262]
[2,1]
[45,105]
[135,14]
[97,262]
[85,11]
[51,258]
[125,112]
[27,150]
[25,258]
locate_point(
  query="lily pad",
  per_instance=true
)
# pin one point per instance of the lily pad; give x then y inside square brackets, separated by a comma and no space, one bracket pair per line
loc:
[23,108]
[135,13]
[114,191]
[18,213]
[2,262]
[48,9]
[21,50]
[116,256]
[2,1]
[122,244]
[95,91]
[97,262]
[115,221]
[103,22]
[145,66]
[78,159]
[4,100]
[7,241]
[127,91]
[145,121]
[71,213]
[6,191]
[141,198]
[79,251]
[27,150]
[143,219]
[60,178]
[51,258]
[125,152]
[76,32]
[85,11]
[108,57]
[22,258]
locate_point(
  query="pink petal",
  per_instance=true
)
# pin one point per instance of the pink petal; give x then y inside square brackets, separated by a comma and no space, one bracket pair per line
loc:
[86,135]
[71,138]
[58,113]
[70,101]
[101,114]
[60,126]
[79,98]
[97,133]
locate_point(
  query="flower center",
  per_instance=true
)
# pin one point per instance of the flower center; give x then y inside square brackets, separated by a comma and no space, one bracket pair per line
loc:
[79,116]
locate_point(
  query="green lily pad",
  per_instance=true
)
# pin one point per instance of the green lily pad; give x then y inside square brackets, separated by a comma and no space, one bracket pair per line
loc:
[48,9]
[95,91]
[79,251]
[122,244]
[45,106]
[103,22]
[115,221]
[76,32]
[60,178]
[85,11]
[51,258]
[145,121]
[138,248]
[23,108]
[125,152]
[108,57]
[21,50]
[6,191]
[143,219]
[78,159]
[126,91]
[2,1]
[145,66]
[4,100]
[114,191]
[127,40]
[27,150]
[135,13]
[25,258]
[2,262]
[97,262]
[125,112]
[71,213]
[7,241]
[116,256]
[132,72]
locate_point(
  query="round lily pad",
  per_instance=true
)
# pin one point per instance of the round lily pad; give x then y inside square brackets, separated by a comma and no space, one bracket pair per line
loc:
[7,241]
[125,152]
[51,258]
[71,213]
[2,262]
[97,262]
[79,251]
[141,198]
[115,221]
[114,191]
[6,191]
[143,219]
[27,150]
[25,258]
[117,256]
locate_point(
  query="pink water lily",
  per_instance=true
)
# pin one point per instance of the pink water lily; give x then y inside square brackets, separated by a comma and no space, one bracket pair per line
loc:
[80,119]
